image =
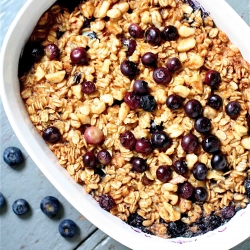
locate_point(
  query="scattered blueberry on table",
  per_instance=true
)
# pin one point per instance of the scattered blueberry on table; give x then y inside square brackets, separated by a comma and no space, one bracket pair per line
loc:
[20,207]
[67,228]
[2,200]
[50,206]
[13,156]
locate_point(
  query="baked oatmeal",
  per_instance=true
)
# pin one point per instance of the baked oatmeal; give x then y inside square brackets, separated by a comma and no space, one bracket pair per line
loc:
[146,104]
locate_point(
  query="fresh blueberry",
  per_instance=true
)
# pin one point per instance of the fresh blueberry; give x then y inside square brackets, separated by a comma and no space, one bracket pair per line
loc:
[20,207]
[13,156]
[67,228]
[2,200]
[50,206]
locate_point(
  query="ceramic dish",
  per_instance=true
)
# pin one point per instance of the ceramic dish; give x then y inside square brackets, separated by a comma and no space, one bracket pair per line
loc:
[224,237]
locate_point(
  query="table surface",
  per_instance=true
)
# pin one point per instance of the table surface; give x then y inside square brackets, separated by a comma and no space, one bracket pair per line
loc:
[35,230]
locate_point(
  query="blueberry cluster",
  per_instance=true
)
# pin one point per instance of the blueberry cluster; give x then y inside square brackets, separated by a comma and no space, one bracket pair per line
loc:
[49,205]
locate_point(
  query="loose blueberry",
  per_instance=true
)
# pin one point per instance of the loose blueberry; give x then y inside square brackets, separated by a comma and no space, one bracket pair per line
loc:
[200,194]
[185,190]
[143,146]
[228,212]
[153,36]
[213,79]
[135,30]
[127,139]
[173,64]
[200,171]
[174,101]
[106,202]
[219,161]
[132,100]
[148,103]
[164,173]
[79,56]
[210,144]
[104,157]
[162,75]
[202,125]
[160,139]
[193,108]
[50,206]
[140,87]
[149,59]
[189,143]
[139,165]
[214,101]
[67,228]
[20,207]
[89,160]
[180,167]
[88,87]
[52,135]
[233,109]
[13,156]
[131,45]
[52,51]
[129,69]
[2,200]
[169,33]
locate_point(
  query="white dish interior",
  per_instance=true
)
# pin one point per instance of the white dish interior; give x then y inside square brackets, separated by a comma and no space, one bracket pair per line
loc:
[224,237]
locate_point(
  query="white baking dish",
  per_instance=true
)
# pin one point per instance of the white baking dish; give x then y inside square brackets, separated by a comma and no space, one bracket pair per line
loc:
[225,237]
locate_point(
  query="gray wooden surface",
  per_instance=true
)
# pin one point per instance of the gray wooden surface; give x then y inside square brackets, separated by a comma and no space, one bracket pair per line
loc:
[37,231]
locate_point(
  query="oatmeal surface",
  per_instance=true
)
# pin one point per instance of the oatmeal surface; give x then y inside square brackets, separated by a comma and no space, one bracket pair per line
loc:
[54,96]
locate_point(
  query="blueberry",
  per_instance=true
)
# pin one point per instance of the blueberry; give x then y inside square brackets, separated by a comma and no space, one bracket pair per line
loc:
[2,200]
[13,156]
[50,206]
[91,34]
[247,187]
[213,222]
[228,212]
[67,228]
[135,220]
[177,228]
[20,207]
[154,127]
[148,103]
[106,202]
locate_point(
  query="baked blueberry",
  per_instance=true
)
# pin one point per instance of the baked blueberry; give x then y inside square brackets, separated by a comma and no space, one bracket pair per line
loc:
[67,228]
[148,103]
[106,202]
[50,206]
[177,228]
[13,156]
[2,200]
[20,207]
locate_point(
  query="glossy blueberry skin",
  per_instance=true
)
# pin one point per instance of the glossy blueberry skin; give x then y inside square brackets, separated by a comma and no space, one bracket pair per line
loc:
[88,87]
[193,108]
[139,165]
[20,207]
[106,202]
[162,75]
[52,51]
[104,157]
[127,139]
[173,64]
[214,101]
[129,69]
[202,125]
[13,156]
[52,134]
[170,33]
[131,45]
[79,56]
[50,206]
[189,143]
[149,59]
[135,30]
[233,109]
[185,190]
[2,200]
[67,228]
[200,194]
[200,171]
[153,36]
[89,159]
[180,167]
[213,79]
[160,139]
[174,101]
[143,146]
[140,87]
[164,173]
[219,161]
[210,144]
